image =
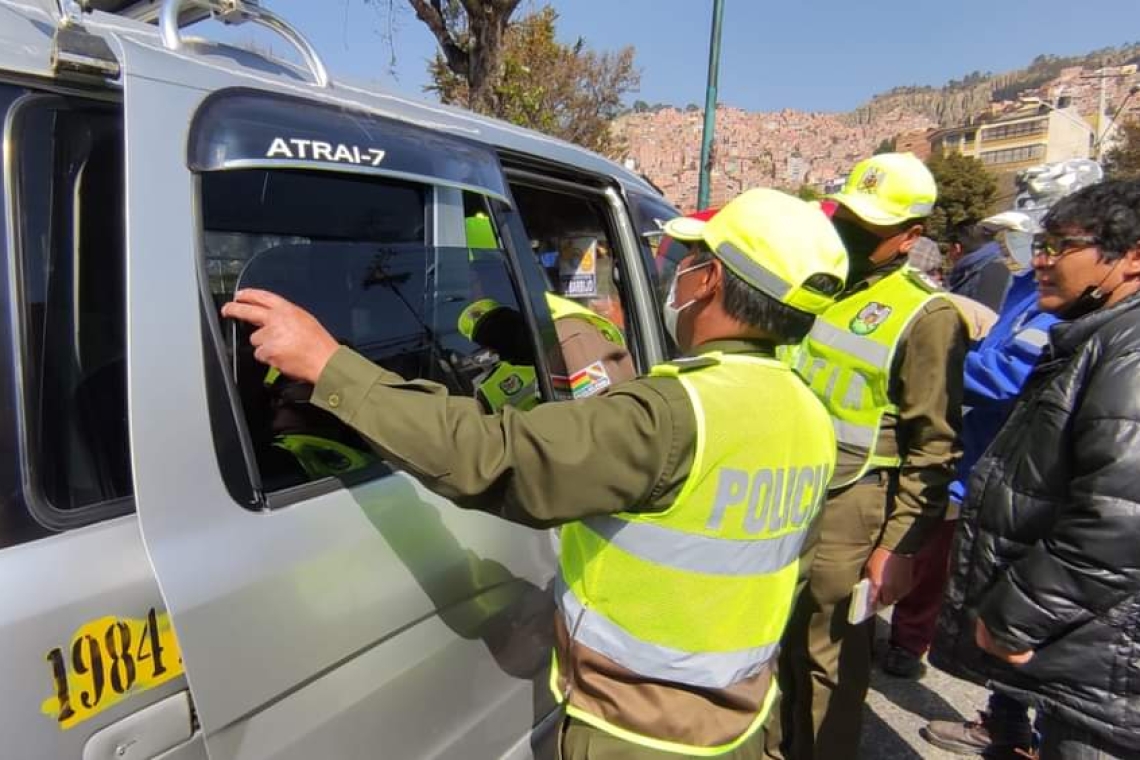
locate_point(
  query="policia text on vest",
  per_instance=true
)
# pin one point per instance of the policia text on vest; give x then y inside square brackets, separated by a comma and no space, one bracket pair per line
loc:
[772,498]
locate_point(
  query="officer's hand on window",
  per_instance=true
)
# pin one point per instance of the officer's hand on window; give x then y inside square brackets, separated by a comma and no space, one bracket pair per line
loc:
[287,337]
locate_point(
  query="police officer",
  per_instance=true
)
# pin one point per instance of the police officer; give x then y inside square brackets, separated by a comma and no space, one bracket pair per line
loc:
[887,362]
[592,358]
[682,531]
[593,355]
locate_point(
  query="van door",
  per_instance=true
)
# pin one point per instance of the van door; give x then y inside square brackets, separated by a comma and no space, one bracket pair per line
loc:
[325,605]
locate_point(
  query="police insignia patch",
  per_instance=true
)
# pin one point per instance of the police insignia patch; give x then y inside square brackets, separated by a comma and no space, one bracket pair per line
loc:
[511,385]
[869,318]
[871,180]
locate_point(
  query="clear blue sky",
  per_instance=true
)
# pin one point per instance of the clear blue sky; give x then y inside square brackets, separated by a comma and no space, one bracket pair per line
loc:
[823,55]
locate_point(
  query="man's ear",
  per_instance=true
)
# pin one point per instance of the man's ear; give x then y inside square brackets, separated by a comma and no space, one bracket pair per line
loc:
[1130,263]
[912,235]
[711,278]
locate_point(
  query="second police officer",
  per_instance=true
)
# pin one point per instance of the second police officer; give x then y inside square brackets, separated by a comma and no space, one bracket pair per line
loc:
[886,360]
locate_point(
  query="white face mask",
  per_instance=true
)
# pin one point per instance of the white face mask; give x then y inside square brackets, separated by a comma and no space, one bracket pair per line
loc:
[669,312]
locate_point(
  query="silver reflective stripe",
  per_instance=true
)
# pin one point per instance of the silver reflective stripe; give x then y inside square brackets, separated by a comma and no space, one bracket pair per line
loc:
[698,554]
[712,670]
[1033,337]
[849,343]
[755,274]
[860,436]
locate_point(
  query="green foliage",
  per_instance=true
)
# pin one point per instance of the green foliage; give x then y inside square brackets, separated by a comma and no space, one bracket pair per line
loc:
[972,79]
[886,146]
[808,193]
[564,90]
[965,192]
[1123,161]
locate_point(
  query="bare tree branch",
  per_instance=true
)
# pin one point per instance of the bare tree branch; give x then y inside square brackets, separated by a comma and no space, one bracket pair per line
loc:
[458,59]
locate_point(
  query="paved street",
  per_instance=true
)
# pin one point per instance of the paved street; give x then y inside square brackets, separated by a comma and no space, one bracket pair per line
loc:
[897,707]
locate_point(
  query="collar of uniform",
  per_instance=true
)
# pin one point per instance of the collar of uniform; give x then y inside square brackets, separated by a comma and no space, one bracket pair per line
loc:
[738,346]
[875,275]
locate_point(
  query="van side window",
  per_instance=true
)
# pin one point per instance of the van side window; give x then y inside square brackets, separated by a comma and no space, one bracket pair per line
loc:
[650,215]
[69,190]
[356,252]
[571,235]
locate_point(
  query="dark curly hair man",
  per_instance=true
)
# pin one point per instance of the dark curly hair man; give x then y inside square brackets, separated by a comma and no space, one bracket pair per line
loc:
[1044,598]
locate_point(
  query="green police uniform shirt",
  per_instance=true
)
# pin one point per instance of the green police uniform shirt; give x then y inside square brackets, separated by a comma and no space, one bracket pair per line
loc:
[628,450]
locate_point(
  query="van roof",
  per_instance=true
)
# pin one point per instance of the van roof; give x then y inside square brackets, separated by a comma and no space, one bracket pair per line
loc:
[27,28]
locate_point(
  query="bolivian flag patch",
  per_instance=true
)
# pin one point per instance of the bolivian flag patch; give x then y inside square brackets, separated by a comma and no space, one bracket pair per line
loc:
[586,382]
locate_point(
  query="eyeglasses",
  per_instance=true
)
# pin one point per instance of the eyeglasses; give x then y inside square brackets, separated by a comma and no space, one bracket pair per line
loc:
[1055,246]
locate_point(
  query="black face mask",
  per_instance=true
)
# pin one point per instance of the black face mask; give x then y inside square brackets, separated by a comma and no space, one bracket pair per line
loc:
[1092,299]
[860,244]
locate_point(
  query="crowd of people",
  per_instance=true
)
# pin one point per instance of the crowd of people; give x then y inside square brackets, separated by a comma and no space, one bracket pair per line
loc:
[852,426]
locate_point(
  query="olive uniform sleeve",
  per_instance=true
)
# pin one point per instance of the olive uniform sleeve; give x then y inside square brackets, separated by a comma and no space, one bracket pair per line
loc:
[929,397]
[583,346]
[627,450]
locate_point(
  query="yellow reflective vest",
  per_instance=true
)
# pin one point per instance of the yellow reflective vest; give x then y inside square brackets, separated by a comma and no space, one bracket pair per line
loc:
[698,595]
[847,358]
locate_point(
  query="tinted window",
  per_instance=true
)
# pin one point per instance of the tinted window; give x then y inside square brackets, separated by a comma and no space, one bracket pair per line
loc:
[360,261]
[70,194]
[650,215]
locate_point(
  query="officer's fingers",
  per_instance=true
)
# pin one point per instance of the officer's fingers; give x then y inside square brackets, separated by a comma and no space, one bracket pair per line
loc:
[258,337]
[262,354]
[260,298]
[246,312]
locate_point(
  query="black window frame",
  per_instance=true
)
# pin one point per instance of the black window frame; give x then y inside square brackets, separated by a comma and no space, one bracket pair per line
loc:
[38,505]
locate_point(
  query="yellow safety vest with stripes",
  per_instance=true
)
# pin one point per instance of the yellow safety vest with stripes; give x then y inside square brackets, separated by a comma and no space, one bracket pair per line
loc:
[698,595]
[847,358]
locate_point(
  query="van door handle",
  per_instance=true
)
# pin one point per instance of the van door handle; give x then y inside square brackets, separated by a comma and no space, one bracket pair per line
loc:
[144,734]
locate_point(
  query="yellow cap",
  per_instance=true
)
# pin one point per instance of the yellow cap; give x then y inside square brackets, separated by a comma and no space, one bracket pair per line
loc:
[889,189]
[776,243]
[470,317]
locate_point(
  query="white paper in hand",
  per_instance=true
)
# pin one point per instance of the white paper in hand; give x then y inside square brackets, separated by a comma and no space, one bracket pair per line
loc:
[862,605]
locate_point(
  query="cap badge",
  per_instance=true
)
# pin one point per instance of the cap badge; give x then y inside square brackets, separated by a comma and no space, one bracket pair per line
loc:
[871,179]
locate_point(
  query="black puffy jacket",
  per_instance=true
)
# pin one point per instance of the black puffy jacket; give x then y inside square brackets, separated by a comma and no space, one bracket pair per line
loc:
[1048,544]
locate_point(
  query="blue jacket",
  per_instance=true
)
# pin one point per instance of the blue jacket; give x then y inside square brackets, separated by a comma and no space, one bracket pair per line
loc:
[996,368]
[981,275]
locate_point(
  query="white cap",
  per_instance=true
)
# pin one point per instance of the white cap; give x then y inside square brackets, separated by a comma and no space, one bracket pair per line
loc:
[1009,220]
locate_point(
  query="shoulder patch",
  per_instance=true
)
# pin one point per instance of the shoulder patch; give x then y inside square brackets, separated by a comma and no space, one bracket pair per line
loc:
[921,280]
[685,364]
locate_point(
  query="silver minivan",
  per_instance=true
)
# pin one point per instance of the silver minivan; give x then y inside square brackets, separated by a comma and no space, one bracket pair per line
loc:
[183,573]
